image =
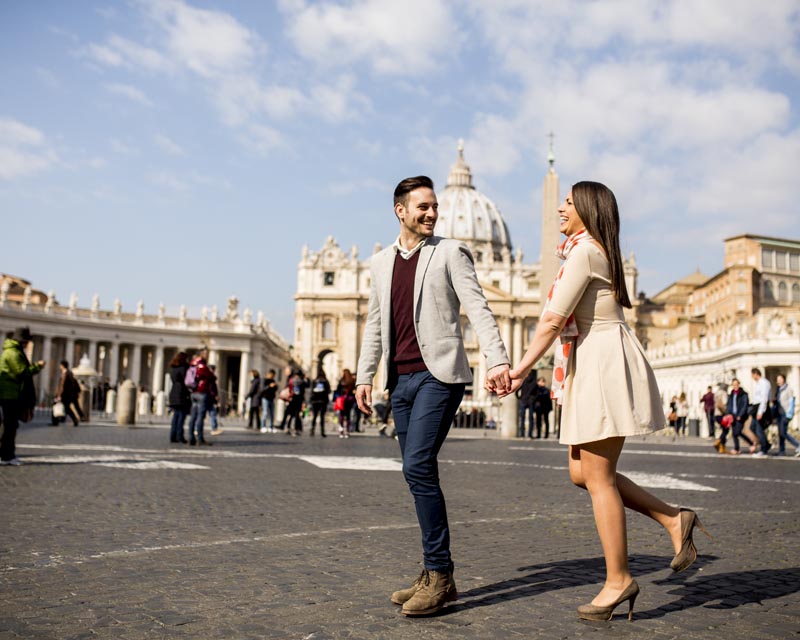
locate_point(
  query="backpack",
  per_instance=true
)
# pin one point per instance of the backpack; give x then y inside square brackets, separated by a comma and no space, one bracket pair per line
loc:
[190,379]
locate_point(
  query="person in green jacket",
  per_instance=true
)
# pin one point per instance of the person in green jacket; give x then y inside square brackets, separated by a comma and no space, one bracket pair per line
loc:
[17,394]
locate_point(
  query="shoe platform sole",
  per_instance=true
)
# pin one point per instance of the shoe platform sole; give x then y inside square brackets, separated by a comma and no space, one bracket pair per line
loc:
[431,610]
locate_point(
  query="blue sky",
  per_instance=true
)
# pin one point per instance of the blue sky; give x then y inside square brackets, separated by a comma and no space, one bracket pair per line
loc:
[182,152]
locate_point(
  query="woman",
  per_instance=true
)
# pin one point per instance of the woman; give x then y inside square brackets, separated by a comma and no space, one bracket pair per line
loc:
[683,414]
[180,400]
[320,395]
[598,363]
[346,390]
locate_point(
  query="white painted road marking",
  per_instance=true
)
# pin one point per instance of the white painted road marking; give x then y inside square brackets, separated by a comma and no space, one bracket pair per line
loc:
[354,463]
[119,462]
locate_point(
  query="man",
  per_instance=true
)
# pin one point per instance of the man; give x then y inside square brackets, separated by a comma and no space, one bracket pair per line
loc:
[213,403]
[199,379]
[736,407]
[708,401]
[254,395]
[759,411]
[17,394]
[542,406]
[68,393]
[526,395]
[294,409]
[268,391]
[784,409]
[418,288]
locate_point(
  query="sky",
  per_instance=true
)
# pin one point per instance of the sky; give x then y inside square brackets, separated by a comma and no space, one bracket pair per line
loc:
[183,152]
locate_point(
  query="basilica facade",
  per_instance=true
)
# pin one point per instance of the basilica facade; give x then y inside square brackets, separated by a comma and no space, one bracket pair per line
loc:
[333,288]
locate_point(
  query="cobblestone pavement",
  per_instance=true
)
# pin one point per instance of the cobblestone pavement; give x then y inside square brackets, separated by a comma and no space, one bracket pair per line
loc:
[110,532]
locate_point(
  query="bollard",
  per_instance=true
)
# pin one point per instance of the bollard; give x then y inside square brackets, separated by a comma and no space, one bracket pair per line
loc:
[161,403]
[85,401]
[143,404]
[111,401]
[126,403]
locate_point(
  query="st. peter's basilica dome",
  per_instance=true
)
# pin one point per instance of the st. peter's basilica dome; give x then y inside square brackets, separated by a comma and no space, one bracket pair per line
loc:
[467,214]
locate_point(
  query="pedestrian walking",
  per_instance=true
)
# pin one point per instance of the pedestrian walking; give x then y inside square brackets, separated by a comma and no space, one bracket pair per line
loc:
[784,409]
[682,412]
[68,393]
[254,398]
[419,286]
[198,380]
[736,410]
[600,363]
[709,401]
[293,417]
[345,397]
[268,391]
[543,405]
[213,404]
[320,396]
[17,392]
[180,400]
[760,412]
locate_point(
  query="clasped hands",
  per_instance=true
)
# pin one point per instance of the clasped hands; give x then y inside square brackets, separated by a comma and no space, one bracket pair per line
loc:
[502,380]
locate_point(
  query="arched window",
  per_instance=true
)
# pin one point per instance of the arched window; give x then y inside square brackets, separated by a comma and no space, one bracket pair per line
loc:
[783,292]
[769,291]
[795,292]
[327,329]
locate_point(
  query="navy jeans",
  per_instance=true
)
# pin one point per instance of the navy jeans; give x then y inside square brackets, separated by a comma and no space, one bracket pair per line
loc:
[267,409]
[759,429]
[783,433]
[525,409]
[424,409]
[199,406]
[176,430]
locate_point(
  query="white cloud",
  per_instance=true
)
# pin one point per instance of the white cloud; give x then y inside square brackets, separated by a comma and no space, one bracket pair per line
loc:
[130,92]
[121,147]
[23,150]
[121,52]
[168,145]
[402,37]
[168,181]
[209,43]
[262,139]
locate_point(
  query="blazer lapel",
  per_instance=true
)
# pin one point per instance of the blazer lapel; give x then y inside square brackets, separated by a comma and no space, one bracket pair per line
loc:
[425,255]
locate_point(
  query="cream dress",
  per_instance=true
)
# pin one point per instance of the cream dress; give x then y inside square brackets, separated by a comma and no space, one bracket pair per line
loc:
[610,388]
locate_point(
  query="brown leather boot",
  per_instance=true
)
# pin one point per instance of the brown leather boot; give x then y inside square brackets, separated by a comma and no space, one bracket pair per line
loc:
[436,590]
[404,595]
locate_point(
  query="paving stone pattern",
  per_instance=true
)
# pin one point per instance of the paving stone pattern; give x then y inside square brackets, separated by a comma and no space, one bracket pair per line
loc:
[263,544]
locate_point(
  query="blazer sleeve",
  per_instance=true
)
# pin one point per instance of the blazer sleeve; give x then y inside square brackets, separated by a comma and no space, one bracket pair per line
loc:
[371,343]
[470,295]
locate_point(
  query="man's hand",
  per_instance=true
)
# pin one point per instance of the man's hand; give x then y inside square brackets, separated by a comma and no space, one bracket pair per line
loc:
[499,380]
[759,416]
[517,377]
[364,398]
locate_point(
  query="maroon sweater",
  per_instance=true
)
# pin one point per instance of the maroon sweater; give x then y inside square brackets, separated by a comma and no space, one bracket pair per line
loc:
[407,357]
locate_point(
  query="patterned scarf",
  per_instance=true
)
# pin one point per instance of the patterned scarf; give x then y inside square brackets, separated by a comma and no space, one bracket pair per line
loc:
[569,334]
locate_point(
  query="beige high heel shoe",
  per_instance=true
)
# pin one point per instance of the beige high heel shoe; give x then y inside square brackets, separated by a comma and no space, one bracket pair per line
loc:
[688,553]
[593,612]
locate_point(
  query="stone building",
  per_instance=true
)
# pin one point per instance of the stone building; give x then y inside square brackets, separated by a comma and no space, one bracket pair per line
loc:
[702,330]
[137,345]
[333,287]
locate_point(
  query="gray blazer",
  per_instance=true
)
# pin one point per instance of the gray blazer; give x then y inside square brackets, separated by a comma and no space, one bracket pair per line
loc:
[445,281]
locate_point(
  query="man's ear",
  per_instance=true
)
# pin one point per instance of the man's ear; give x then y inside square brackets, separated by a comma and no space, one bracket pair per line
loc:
[398,210]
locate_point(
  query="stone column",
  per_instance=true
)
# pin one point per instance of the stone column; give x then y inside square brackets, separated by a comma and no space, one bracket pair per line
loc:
[158,370]
[69,352]
[113,364]
[44,375]
[509,406]
[93,353]
[244,380]
[213,358]
[517,349]
[136,365]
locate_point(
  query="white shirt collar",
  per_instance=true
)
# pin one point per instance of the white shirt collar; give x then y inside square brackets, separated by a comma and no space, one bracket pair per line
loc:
[407,253]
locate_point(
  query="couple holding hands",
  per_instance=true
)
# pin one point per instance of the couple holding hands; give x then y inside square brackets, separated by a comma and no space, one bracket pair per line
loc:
[601,377]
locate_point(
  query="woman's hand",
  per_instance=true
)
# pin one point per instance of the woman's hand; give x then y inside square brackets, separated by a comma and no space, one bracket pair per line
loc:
[517,378]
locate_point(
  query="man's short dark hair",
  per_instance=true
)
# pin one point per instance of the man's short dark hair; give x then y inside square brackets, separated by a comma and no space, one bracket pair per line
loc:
[756,371]
[408,185]
[64,364]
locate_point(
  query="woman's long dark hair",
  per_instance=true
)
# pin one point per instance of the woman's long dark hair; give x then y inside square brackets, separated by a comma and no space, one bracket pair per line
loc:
[597,207]
[179,359]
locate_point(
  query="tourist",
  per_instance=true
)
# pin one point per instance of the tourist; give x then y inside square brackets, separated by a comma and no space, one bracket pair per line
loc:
[268,390]
[17,393]
[784,410]
[293,418]
[737,408]
[198,379]
[605,385]
[543,405]
[320,396]
[213,405]
[708,401]
[180,400]
[526,397]
[760,411]
[682,412]
[419,286]
[68,393]
[253,398]
[345,394]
